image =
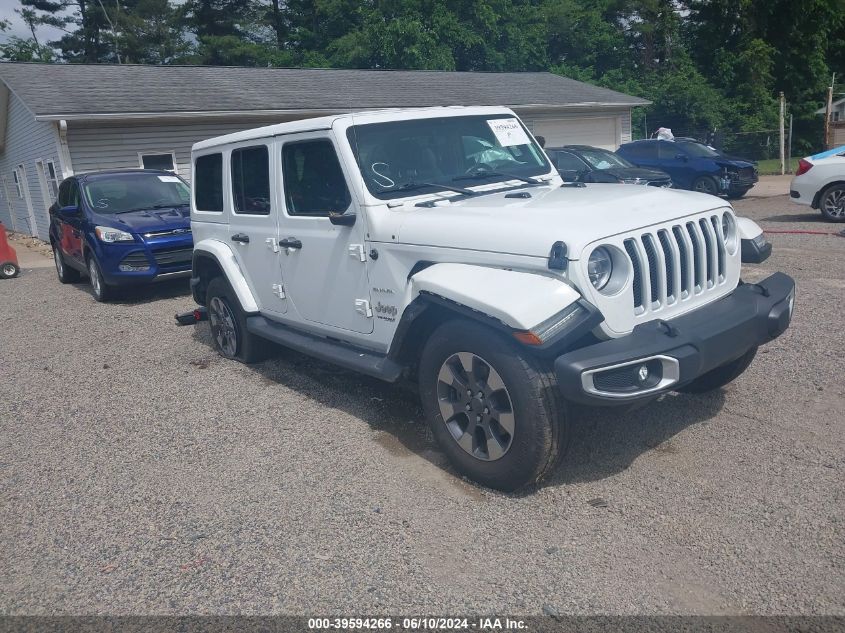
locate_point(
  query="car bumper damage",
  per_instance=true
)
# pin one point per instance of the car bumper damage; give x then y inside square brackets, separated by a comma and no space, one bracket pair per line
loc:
[660,356]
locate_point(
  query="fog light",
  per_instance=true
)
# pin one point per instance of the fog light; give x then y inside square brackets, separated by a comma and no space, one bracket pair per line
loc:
[642,373]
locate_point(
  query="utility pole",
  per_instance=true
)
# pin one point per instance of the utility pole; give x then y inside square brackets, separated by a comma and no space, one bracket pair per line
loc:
[828,141]
[782,140]
[789,146]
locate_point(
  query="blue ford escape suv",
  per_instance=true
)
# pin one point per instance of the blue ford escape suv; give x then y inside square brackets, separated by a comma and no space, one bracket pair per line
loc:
[122,227]
[693,165]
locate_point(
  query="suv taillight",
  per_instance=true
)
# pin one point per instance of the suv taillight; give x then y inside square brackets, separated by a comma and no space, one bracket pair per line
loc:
[803,167]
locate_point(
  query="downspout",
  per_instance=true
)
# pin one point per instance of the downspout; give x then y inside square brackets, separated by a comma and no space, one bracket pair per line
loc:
[64,150]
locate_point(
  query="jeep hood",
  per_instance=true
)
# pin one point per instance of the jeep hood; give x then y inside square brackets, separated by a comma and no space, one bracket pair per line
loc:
[576,216]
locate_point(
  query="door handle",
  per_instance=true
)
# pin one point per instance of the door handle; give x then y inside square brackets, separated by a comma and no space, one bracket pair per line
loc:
[240,237]
[290,242]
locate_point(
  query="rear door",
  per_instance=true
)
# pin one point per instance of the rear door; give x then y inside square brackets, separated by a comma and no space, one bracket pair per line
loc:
[70,227]
[253,221]
[324,264]
[675,162]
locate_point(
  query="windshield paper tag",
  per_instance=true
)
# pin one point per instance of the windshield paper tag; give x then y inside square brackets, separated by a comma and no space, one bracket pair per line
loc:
[168,179]
[508,132]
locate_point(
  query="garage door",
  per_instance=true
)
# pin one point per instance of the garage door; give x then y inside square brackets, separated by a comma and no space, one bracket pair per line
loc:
[597,131]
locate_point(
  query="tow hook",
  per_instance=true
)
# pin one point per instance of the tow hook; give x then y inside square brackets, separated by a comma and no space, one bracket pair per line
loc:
[192,317]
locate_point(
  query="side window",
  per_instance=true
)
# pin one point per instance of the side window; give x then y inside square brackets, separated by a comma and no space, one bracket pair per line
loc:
[569,162]
[208,182]
[641,150]
[313,180]
[667,150]
[64,190]
[251,180]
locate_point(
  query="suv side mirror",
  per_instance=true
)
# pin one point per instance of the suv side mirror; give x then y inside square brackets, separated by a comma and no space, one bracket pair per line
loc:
[342,219]
[570,175]
[71,211]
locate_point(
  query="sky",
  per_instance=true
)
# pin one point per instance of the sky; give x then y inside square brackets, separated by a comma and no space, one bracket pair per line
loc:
[7,12]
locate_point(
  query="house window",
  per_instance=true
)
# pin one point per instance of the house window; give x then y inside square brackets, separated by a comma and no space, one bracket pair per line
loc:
[251,180]
[164,161]
[16,175]
[208,182]
[52,179]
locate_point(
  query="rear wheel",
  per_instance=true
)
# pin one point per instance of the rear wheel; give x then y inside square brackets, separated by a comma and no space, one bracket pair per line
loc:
[228,325]
[66,274]
[9,270]
[102,291]
[706,184]
[492,408]
[721,376]
[832,203]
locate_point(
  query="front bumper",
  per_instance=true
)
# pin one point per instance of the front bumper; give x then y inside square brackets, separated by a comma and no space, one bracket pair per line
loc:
[676,352]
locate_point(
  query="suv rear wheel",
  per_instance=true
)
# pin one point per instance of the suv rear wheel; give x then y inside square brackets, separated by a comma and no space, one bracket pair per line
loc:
[228,325]
[492,408]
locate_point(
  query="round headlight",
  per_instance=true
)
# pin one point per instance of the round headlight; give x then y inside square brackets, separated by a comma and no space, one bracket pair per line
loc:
[600,267]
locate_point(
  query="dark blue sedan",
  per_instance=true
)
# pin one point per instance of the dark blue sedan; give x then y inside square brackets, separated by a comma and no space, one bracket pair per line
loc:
[693,165]
[121,228]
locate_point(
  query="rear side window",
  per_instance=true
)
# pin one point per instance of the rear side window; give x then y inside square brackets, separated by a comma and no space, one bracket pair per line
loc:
[640,150]
[314,182]
[251,180]
[208,182]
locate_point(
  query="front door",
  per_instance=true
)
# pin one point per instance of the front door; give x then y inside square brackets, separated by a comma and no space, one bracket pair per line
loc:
[324,264]
[253,224]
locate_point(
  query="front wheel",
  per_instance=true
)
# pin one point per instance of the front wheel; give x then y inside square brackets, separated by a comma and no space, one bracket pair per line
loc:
[832,203]
[65,274]
[706,184]
[8,270]
[102,291]
[492,408]
[228,325]
[721,376]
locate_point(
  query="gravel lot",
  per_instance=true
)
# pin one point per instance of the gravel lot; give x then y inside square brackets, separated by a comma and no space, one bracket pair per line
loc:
[140,473]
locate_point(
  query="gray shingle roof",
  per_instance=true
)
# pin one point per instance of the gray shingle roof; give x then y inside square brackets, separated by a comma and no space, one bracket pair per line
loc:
[50,90]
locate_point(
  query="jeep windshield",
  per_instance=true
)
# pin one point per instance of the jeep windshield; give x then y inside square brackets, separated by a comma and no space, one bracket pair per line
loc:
[418,156]
[139,191]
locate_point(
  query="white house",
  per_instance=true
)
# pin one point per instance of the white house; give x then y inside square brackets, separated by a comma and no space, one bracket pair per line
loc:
[60,119]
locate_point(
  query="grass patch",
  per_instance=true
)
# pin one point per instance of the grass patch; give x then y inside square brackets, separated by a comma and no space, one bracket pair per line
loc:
[772,166]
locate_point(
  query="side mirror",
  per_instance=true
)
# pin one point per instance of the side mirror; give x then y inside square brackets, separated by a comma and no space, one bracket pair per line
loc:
[342,219]
[71,211]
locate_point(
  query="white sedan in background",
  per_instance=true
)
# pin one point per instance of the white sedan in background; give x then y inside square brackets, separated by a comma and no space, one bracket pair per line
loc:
[820,183]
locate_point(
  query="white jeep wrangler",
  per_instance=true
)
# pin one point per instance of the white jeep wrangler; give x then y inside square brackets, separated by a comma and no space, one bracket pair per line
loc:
[441,245]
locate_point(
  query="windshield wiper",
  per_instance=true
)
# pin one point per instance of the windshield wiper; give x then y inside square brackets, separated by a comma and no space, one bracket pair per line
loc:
[478,175]
[412,186]
[170,206]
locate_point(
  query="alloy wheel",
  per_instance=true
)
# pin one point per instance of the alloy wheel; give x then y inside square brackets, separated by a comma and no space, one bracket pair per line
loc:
[60,266]
[705,185]
[834,203]
[476,406]
[94,274]
[223,327]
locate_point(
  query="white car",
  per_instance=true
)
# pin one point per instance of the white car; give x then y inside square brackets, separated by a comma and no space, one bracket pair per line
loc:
[387,243]
[820,183]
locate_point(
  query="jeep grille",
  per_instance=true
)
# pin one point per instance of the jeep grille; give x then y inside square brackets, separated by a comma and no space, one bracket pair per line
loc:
[675,263]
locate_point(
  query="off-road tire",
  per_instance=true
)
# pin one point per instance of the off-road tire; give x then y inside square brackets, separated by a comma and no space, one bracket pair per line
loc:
[65,273]
[99,288]
[247,348]
[540,431]
[721,376]
[831,195]
[706,184]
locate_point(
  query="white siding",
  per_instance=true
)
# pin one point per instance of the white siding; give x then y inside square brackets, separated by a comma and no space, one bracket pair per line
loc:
[27,141]
[108,146]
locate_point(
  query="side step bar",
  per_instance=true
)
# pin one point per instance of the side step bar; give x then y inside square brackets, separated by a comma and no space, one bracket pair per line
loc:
[363,361]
